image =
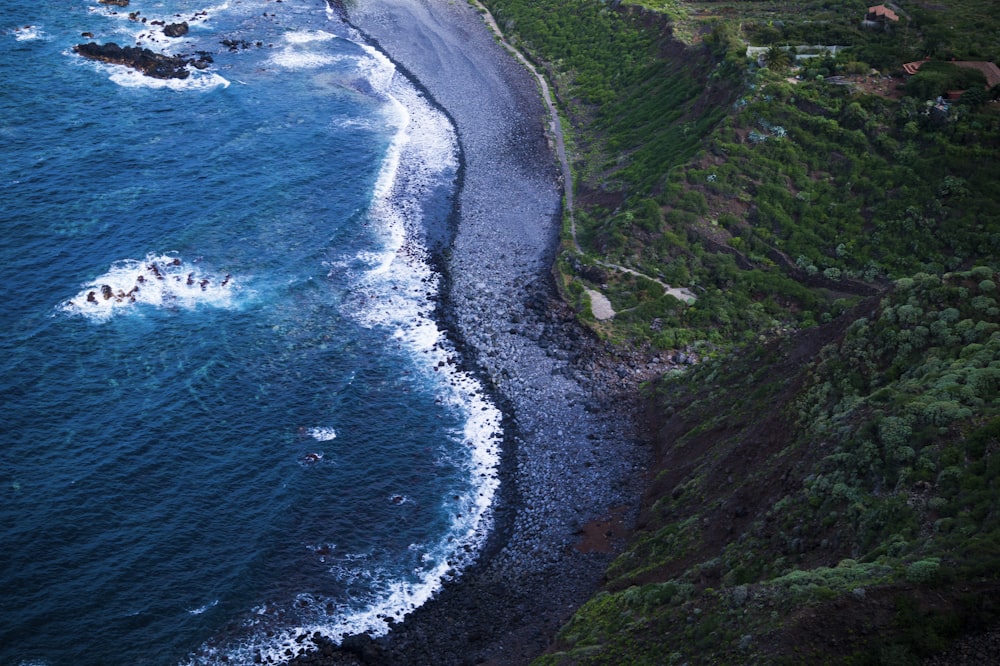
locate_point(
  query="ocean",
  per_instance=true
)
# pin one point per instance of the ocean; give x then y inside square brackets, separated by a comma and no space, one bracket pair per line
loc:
[231,419]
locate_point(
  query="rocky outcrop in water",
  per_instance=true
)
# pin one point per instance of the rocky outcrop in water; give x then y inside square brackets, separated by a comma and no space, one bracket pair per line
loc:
[150,63]
[176,29]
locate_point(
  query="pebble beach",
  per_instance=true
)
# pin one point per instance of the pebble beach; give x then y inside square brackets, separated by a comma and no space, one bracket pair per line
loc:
[573,463]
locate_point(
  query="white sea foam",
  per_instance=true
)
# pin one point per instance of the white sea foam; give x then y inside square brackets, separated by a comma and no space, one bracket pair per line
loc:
[377,69]
[322,434]
[299,51]
[162,281]
[202,609]
[307,36]
[28,33]
[149,32]
[424,149]
[401,287]
[404,282]
[395,289]
[271,640]
[298,59]
[198,81]
[363,124]
[131,31]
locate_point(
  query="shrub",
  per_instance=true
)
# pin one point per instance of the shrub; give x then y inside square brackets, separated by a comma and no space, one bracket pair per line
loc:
[923,571]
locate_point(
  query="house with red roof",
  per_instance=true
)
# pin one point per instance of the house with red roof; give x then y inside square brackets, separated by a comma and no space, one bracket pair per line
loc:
[881,14]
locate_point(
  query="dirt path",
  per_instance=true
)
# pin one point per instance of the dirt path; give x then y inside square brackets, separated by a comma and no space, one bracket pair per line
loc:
[680,293]
[600,306]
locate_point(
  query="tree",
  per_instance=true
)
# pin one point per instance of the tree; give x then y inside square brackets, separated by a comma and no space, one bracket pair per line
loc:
[778,59]
[855,117]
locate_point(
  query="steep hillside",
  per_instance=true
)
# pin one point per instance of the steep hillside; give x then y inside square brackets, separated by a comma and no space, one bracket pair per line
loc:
[777,188]
[819,183]
[826,497]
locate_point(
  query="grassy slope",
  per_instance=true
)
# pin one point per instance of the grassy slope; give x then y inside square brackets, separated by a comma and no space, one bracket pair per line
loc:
[826,484]
[770,199]
[827,497]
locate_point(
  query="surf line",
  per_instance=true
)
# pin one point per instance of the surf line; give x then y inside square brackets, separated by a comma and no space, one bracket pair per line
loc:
[413,315]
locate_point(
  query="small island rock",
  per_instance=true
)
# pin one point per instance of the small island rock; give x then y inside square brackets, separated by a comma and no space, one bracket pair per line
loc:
[150,63]
[176,29]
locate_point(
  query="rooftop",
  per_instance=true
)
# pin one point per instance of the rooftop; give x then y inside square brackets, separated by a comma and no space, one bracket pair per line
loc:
[881,11]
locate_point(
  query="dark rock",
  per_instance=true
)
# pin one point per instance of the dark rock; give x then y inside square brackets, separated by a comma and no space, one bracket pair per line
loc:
[176,29]
[362,646]
[150,63]
[595,274]
[117,3]
[237,44]
[202,62]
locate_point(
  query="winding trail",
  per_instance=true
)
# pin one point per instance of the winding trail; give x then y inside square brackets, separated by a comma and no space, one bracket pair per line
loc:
[600,305]
[680,293]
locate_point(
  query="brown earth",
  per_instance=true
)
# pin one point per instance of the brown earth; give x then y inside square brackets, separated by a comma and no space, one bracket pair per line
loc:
[743,440]
[740,466]
[607,534]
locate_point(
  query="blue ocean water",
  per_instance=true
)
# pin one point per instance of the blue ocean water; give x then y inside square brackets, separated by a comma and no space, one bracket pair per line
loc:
[229,417]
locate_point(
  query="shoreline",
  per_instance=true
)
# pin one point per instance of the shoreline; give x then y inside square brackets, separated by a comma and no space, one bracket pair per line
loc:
[571,456]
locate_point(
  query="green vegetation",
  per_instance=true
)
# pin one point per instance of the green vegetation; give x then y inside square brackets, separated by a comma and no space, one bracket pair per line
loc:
[826,479]
[775,193]
[633,111]
[937,78]
[910,402]
[840,510]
